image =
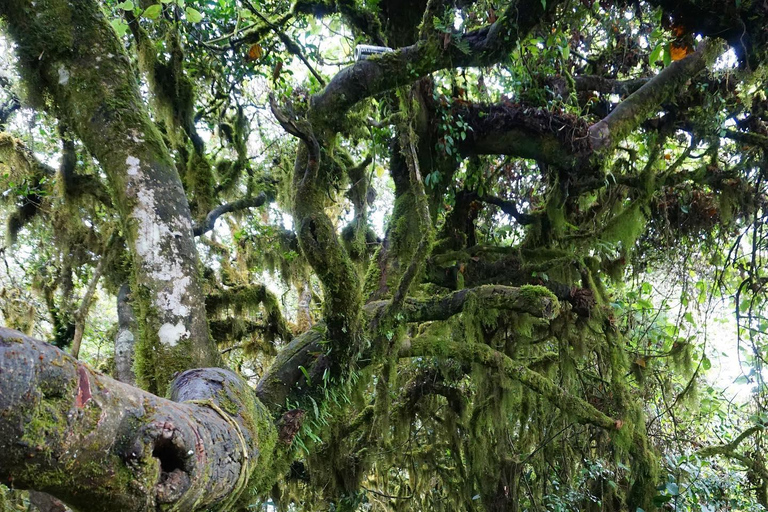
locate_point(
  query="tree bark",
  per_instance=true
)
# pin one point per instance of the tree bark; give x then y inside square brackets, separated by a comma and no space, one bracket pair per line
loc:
[125,339]
[93,87]
[99,444]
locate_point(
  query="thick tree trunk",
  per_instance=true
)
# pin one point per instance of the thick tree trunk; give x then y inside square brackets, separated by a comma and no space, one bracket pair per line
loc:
[69,51]
[99,444]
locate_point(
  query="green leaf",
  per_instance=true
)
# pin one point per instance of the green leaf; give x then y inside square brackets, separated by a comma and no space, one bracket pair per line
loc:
[306,375]
[744,306]
[126,6]
[193,15]
[706,363]
[655,54]
[314,404]
[645,304]
[153,11]
[673,489]
[120,27]
[667,56]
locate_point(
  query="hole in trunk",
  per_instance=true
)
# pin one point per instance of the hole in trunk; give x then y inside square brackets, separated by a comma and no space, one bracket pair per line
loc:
[174,480]
[169,456]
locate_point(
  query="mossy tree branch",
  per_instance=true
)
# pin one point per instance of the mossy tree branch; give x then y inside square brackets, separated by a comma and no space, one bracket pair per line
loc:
[318,239]
[534,300]
[102,445]
[727,449]
[104,108]
[525,132]
[404,66]
[580,409]
[285,377]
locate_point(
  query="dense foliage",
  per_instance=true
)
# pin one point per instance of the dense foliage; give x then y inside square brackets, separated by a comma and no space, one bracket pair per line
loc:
[486,269]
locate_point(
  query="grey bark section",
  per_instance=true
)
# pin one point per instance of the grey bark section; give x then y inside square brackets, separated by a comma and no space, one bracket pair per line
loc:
[46,503]
[126,337]
[102,445]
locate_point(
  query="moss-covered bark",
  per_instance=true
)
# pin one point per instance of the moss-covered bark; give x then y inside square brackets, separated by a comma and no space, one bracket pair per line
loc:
[100,444]
[86,76]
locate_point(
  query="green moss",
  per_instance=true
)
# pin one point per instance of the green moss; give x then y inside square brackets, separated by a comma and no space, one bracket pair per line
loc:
[531,296]
[626,227]
[555,209]
[154,363]
[200,184]
[249,300]
[403,234]
[43,424]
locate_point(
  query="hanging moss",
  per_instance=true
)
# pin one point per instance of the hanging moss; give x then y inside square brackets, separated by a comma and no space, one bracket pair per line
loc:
[626,227]
[555,208]
[200,184]
[172,90]
[249,300]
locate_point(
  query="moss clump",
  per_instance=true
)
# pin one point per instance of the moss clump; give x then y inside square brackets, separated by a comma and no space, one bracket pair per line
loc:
[200,184]
[626,227]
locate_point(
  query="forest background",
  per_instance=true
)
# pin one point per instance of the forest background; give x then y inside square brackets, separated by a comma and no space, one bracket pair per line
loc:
[514,260]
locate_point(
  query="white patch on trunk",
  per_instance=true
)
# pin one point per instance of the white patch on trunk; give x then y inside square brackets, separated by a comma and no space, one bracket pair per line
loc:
[170,334]
[136,136]
[133,165]
[157,247]
[63,75]
[172,301]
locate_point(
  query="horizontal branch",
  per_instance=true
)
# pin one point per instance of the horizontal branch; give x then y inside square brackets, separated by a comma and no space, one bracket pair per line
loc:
[102,445]
[534,300]
[749,138]
[728,449]
[240,204]
[526,132]
[510,208]
[304,354]
[480,353]
[480,47]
